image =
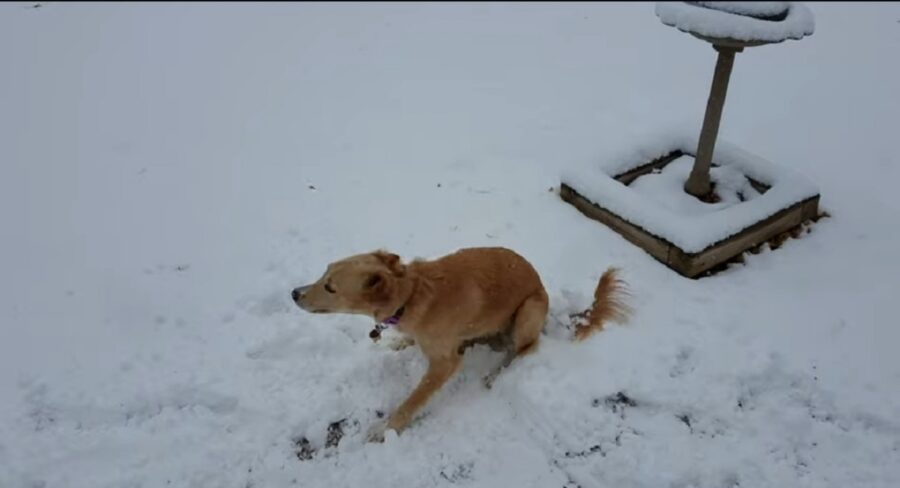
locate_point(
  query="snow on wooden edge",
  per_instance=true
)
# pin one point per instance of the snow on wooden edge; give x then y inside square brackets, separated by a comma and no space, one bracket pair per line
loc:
[716,23]
[691,233]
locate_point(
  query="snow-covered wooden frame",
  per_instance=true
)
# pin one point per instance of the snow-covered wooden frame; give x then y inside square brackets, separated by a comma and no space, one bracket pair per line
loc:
[691,244]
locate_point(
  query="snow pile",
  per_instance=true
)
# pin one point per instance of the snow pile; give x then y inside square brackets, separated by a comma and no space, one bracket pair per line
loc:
[691,231]
[725,20]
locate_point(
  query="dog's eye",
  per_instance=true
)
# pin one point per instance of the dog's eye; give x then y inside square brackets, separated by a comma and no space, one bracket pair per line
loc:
[373,280]
[328,288]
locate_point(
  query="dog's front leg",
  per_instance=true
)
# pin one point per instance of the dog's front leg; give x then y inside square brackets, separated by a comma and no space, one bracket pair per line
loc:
[440,369]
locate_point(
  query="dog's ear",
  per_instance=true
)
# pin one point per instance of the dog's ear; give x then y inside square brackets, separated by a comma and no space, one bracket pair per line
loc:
[392,261]
[389,259]
[377,287]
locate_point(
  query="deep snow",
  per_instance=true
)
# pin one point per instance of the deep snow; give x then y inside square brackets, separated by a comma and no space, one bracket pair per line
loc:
[170,171]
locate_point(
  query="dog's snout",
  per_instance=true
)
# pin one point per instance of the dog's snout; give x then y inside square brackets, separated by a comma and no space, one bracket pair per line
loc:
[298,293]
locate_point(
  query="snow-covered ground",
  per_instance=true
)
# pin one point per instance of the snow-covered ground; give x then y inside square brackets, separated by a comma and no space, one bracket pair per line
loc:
[666,188]
[171,171]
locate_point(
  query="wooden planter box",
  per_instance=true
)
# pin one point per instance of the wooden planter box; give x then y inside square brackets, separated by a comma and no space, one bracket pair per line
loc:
[694,264]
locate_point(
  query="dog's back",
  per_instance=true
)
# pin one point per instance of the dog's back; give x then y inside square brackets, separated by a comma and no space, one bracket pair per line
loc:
[476,291]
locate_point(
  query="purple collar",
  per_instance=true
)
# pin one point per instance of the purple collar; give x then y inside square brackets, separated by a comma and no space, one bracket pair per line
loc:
[384,324]
[392,320]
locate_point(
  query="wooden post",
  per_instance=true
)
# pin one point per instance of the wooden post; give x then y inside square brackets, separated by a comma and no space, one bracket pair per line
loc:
[698,182]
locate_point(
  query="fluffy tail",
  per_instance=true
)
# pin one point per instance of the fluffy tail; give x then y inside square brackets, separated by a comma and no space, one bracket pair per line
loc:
[609,305]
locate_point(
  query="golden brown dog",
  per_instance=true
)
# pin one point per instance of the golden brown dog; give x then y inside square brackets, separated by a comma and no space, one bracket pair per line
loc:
[443,305]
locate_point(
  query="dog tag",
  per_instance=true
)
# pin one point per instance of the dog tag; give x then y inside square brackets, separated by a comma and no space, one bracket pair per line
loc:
[376,332]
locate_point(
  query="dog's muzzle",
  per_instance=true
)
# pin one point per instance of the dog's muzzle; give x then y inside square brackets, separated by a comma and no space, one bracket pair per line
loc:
[299,293]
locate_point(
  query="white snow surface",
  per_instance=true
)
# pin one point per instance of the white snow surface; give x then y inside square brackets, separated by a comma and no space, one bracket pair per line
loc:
[666,187]
[749,8]
[723,20]
[171,171]
[689,230]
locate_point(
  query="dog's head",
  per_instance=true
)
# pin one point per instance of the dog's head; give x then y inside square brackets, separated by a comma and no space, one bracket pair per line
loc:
[365,284]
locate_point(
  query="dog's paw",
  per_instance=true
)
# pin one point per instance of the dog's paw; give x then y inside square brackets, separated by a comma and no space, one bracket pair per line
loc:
[376,436]
[381,432]
[377,432]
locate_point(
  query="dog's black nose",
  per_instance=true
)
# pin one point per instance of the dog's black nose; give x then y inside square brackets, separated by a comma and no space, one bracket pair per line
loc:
[295,294]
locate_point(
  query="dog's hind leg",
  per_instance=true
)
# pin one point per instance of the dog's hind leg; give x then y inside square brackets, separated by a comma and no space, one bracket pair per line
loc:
[528,323]
[525,331]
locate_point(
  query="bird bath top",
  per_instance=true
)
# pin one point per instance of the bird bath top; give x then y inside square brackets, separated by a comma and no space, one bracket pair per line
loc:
[738,24]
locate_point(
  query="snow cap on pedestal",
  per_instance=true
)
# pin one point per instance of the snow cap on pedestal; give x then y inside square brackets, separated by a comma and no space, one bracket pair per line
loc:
[754,22]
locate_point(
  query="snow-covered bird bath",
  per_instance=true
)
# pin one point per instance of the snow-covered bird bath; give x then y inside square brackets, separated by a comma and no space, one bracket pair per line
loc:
[713,203]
